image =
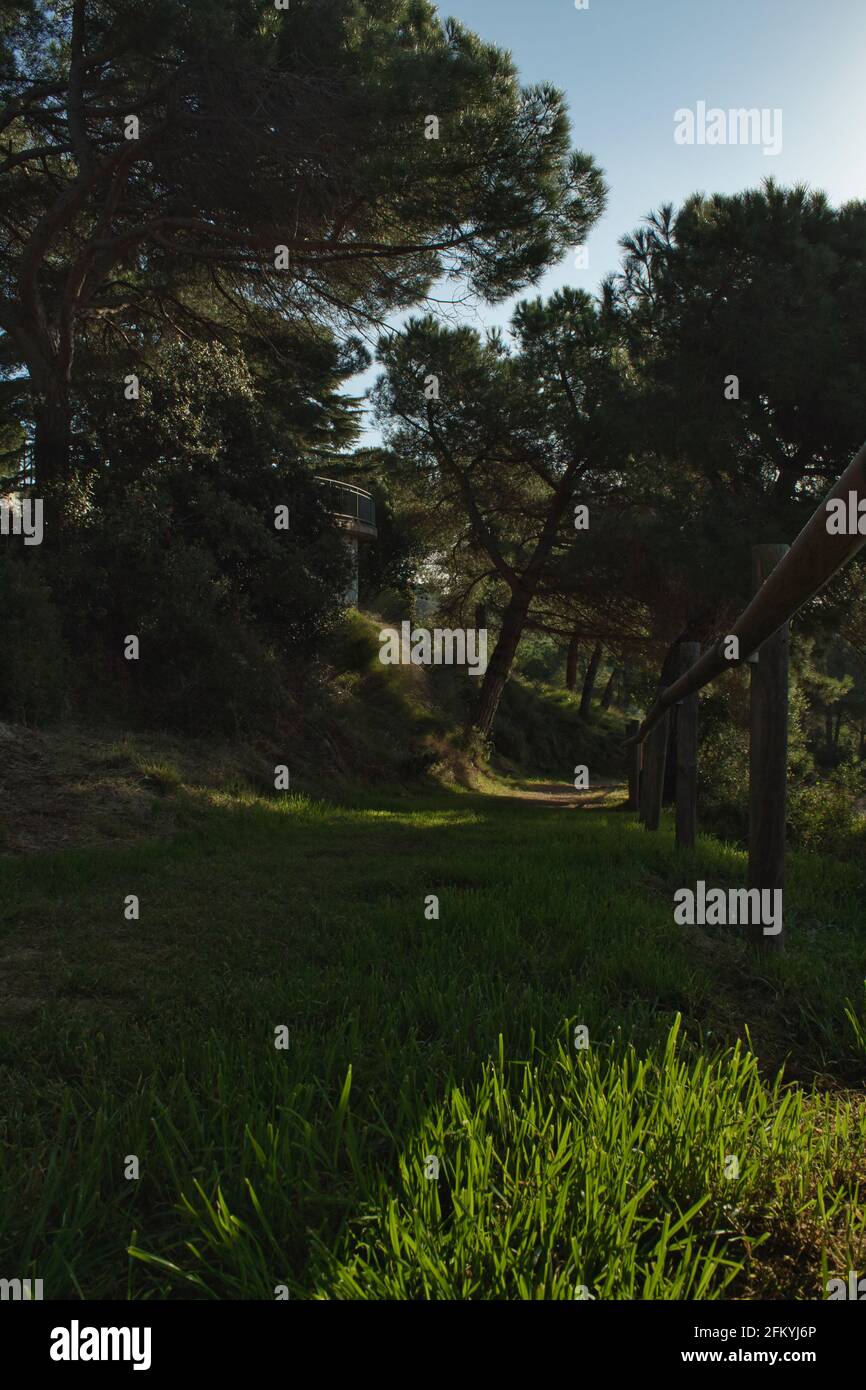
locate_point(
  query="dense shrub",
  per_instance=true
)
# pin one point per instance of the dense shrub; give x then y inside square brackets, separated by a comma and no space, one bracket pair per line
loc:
[175,542]
[820,810]
[34,662]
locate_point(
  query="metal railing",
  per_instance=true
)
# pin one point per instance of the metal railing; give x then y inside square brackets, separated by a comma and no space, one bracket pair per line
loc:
[345,499]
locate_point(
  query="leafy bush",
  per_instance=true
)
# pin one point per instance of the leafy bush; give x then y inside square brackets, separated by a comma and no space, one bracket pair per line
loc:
[820,817]
[723,774]
[176,543]
[820,814]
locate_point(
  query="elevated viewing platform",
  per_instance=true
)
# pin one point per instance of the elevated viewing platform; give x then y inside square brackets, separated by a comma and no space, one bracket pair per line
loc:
[354,512]
[353,509]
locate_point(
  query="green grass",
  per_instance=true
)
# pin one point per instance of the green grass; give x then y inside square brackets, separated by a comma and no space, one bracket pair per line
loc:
[561,1170]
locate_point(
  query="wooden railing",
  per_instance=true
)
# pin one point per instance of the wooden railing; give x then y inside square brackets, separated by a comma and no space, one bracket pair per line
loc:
[784,579]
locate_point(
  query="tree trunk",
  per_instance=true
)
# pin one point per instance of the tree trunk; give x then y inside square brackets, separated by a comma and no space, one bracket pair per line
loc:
[686,756]
[499,667]
[514,617]
[571,662]
[52,441]
[626,694]
[607,697]
[669,672]
[589,681]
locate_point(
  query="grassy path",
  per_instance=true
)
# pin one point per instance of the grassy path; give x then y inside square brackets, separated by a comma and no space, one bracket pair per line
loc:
[562,1168]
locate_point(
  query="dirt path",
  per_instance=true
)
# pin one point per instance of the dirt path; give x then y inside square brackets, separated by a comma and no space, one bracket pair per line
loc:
[600,796]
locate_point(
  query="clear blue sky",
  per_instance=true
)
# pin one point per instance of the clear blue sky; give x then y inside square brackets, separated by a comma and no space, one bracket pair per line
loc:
[626,66]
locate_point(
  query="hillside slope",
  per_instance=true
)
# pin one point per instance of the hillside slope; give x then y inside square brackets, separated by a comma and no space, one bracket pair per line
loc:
[351,723]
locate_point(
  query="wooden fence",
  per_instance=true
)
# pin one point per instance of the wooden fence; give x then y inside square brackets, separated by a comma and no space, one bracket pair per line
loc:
[783,580]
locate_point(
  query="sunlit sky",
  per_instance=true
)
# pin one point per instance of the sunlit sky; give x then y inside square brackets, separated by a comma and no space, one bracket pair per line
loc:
[626,66]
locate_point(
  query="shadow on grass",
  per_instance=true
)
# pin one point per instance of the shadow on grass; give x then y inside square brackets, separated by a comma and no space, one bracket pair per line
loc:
[395,940]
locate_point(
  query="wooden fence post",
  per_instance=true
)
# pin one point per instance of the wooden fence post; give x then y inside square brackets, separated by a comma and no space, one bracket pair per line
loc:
[643,782]
[654,772]
[633,767]
[768,753]
[687,754]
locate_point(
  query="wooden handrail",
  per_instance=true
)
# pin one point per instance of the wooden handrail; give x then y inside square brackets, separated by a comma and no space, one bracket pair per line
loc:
[812,561]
